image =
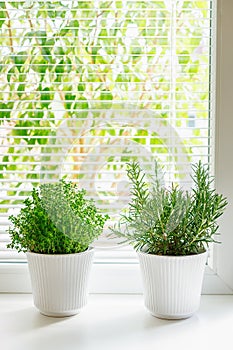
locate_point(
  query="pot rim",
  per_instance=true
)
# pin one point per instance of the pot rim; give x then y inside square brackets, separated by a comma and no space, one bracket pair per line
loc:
[172,256]
[87,251]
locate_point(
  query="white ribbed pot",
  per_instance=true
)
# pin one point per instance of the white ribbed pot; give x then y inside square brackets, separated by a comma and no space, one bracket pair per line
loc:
[60,281]
[172,284]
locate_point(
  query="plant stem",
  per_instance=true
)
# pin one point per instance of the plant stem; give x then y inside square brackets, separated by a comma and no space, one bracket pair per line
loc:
[10,31]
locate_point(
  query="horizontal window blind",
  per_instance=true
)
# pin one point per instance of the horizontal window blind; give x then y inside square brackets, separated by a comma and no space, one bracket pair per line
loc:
[87,86]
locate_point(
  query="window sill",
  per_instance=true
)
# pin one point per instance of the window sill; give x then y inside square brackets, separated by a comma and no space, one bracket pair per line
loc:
[107,278]
[114,322]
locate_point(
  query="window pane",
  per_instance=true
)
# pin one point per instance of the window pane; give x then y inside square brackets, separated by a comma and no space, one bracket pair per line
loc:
[86,86]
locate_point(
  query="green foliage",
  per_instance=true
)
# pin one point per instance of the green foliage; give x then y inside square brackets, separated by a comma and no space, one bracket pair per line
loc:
[59,56]
[169,221]
[57,219]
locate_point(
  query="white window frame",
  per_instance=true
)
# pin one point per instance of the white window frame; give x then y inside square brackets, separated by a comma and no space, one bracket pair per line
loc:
[124,277]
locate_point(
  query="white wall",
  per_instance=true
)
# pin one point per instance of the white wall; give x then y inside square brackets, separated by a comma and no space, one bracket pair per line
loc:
[224,134]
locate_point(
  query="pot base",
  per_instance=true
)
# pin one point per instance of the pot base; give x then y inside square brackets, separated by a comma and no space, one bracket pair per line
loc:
[171,317]
[60,314]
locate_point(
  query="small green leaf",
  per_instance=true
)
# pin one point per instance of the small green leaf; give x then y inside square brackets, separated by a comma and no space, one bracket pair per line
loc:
[81,87]
[81,103]
[193,69]
[105,97]
[36,114]
[15,3]
[20,59]
[40,66]
[69,98]
[5,110]
[68,65]
[136,51]
[10,73]
[58,51]
[46,54]
[74,24]
[2,17]
[21,89]
[184,57]
[60,68]
[45,97]
[41,36]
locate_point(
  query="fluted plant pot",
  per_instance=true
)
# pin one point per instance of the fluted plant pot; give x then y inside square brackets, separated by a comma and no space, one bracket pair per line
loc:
[60,281]
[56,227]
[171,229]
[172,284]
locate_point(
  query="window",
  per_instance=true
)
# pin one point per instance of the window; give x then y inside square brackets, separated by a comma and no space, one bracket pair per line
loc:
[88,85]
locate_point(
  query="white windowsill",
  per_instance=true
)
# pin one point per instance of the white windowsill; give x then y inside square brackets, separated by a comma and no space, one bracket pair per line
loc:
[114,322]
[108,278]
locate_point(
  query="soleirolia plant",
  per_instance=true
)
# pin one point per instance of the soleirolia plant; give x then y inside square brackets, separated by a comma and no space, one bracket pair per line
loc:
[56,219]
[170,221]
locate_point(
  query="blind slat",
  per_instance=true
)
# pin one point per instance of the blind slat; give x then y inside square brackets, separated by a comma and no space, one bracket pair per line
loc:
[87,86]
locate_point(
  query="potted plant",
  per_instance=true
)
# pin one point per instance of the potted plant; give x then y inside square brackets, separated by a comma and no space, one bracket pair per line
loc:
[55,228]
[171,230]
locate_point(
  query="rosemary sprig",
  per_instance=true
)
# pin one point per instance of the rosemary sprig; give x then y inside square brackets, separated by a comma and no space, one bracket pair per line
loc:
[170,221]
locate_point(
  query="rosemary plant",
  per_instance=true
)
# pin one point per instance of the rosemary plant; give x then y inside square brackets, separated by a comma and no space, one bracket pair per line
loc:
[170,221]
[56,219]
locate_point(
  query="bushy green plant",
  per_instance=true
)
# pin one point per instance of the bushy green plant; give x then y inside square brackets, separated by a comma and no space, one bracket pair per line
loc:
[170,221]
[57,219]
